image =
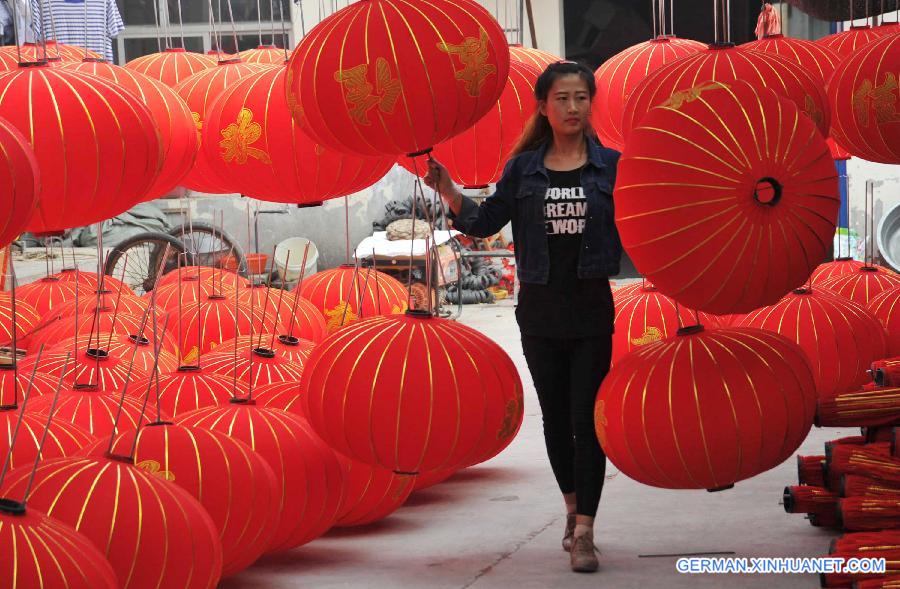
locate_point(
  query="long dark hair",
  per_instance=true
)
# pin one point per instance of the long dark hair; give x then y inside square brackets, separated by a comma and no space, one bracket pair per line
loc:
[538,131]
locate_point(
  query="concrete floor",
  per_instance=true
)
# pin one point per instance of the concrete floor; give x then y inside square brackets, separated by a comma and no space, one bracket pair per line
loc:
[499,524]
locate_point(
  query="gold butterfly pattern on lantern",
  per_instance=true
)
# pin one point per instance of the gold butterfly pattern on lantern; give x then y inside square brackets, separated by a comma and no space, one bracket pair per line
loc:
[342,314]
[238,137]
[359,91]
[473,55]
[650,335]
[153,467]
[678,99]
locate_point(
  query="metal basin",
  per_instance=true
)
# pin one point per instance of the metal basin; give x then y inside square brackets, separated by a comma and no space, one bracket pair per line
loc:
[888,235]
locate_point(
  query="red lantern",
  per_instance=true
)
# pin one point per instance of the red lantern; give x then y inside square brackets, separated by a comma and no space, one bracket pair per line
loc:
[265,54]
[298,317]
[645,315]
[100,157]
[358,393]
[619,75]
[63,438]
[190,388]
[306,470]
[234,484]
[886,308]
[815,57]
[8,59]
[863,96]
[172,66]
[839,267]
[257,149]
[840,338]
[476,157]
[201,327]
[396,77]
[25,322]
[887,28]
[20,182]
[337,293]
[536,57]
[103,302]
[200,91]
[153,532]
[14,383]
[92,281]
[847,42]
[706,409]
[720,63]
[39,551]
[285,395]
[432,478]
[189,291]
[257,366]
[58,328]
[727,201]
[370,493]
[294,350]
[863,285]
[46,293]
[169,111]
[221,279]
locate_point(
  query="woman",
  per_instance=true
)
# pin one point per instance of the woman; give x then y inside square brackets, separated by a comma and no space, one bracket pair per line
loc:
[557,191]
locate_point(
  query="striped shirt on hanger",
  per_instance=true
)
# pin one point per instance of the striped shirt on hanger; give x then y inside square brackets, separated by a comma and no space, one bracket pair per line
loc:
[64,21]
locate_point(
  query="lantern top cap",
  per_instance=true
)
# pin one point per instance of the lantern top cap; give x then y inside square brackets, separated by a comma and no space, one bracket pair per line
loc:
[690,330]
[419,314]
[139,340]
[189,368]
[175,50]
[11,507]
[289,340]
[160,422]
[720,46]
[242,401]
[230,61]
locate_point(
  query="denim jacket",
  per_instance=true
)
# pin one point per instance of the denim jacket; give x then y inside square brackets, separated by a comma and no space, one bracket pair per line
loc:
[519,198]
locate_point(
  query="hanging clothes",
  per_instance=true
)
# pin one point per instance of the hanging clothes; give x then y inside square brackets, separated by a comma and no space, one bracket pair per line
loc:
[65,21]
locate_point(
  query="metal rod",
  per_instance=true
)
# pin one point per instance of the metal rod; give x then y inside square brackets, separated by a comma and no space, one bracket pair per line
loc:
[37,458]
[25,397]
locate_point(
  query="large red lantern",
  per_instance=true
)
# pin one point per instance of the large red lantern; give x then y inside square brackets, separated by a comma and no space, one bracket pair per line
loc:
[200,91]
[645,315]
[618,76]
[838,267]
[67,53]
[26,319]
[172,66]
[102,302]
[337,294]
[119,324]
[189,388]
[63,438]
[265,54]
[15,382]
[682,78]
[201,327]
[234,484]
[221,279]
[726,197]
[172,117]
[101,155]
[840,338]
[847,42]
[359,393]
[536,57]
[95,410]
[40,551]
[20,182]
[256,366]
[476,157]
[863,95]
[294,350]
[257,149]
[397,76]
[46,293]
[92,280]
[706,409]
[863,285]
[169,296]
[153,532]
[886,308]
[306,470]
[297,317]
[370,493]
[284,395]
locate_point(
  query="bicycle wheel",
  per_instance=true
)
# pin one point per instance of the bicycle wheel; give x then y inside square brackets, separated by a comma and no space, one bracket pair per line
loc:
[138,259]
[210,246]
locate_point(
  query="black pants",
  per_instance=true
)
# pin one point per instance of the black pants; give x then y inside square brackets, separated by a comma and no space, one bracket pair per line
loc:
[567,374]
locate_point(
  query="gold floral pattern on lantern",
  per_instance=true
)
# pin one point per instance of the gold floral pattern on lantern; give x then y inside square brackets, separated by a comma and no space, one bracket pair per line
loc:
[359,90]
[473,55]
[238,137]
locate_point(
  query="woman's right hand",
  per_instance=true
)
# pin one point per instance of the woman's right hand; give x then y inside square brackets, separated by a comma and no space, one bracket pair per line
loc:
[438,178]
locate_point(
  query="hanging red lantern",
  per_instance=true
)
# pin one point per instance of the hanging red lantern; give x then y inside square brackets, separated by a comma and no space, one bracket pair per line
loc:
[169,111]
[63,438]
[172,66]
[256,366]
[839,267]
[476,157]
[862,285]
[257,149]
[306,470]
[100,158]
[711,215]
[92,280]
[298,317]
[396,77]
[189,388]
[357,393]
[839,337]
[886,308]
[337,294]
[863,96]
[682,78]
[618,76]
[847,42]
[26,320]
[221,279]
[234,484]
[201,327]
[265,54]
[645,315]
[536,57]
[56,555]
[46,293]
[285,395]
[706,408]
[20,182]
[200,91]
[370,493]
[153,532]
[290,349]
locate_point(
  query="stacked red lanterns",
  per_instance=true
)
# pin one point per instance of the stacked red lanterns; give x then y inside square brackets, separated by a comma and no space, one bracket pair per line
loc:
[619,75]
[172,66]
[412,393]
[358,86]
[726,197]
[20,182]
[706,409]
[886,308]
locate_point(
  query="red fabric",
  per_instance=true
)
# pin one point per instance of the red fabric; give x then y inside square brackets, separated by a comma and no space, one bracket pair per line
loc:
[889,376]
[100,157]
[114,503]
[685,197]
[530,56]
[281,395]
[867,408]
[847,42]
[862,285]
[768,23]
[409,74]
[863,96]
[619,75]
[706,409]
[94,411]
[809,470]
[296,351]
[806,499]
[257,149]
[58,555]
[63,438]
[92,280]
[27,319]
[201,327]
[253,367]
[370,493]
[122,324]
[265,54]
[359,396]
[298,317]
[188,389]
[218,278]
[829,270]
[32,52]
[172,66]
[432,478]
[306,470]
[20,182]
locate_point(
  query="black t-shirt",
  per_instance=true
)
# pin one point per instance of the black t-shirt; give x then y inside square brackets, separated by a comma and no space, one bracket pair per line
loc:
[567,306]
